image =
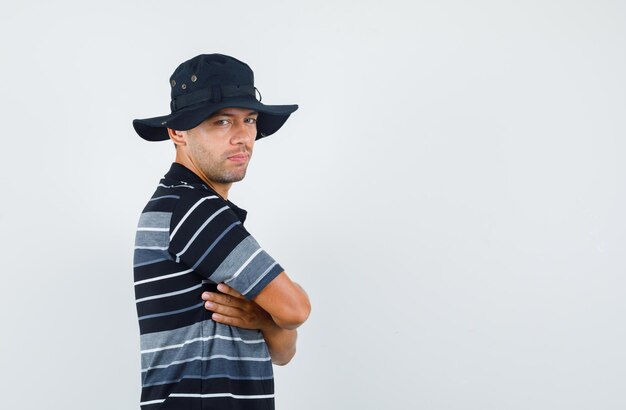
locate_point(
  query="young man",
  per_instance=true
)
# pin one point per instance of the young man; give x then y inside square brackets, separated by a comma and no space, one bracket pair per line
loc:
[215,310]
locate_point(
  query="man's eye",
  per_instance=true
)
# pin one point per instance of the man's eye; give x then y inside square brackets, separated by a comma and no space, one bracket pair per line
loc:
[251,120]
[221,122]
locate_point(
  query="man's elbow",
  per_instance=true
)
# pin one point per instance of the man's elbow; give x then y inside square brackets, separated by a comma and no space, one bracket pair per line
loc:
[283,361]
[295,316]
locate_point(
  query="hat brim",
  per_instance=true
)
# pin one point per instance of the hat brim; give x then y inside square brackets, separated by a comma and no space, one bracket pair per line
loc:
[270,119]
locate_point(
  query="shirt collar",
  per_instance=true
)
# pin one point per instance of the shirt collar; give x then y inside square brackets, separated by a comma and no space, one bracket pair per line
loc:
[181,173]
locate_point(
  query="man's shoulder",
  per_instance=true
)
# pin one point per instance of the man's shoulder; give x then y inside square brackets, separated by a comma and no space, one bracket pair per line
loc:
[196,205]
[174,197]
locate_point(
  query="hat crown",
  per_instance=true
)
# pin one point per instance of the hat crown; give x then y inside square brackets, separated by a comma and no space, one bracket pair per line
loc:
[208,70]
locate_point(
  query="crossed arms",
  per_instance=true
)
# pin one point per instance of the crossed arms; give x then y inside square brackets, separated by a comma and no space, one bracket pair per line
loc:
[276,311]
[259,294]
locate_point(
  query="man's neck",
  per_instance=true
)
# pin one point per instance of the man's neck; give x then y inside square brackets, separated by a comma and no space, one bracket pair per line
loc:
[221,189]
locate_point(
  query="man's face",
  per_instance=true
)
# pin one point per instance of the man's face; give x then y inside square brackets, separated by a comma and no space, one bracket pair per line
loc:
[221,146]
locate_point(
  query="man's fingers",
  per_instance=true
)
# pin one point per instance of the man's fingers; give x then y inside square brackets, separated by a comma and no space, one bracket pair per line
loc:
[223,309]
[227,320]
[234,310]
[223,299]
[222,287]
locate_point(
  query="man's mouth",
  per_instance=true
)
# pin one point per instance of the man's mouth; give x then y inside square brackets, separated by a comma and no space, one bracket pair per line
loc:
[241,157]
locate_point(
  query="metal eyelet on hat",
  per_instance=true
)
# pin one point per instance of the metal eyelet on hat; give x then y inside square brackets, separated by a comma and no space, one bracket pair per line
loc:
[193,78]
[184,86]
[173,83]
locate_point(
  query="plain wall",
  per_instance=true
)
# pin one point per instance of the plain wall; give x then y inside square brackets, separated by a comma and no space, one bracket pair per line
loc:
[451,194]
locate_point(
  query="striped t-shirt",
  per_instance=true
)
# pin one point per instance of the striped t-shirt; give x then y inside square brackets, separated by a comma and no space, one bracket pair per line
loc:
[188,240]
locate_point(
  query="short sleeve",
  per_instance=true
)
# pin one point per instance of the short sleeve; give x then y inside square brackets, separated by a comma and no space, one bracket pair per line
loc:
[208,237]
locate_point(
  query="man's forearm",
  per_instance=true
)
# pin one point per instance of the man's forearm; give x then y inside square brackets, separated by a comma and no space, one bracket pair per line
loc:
[281,343]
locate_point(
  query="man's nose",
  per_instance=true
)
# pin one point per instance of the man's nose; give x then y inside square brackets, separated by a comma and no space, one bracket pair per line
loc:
[243,132]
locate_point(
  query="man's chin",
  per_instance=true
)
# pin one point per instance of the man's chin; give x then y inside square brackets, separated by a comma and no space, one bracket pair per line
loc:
[229,179]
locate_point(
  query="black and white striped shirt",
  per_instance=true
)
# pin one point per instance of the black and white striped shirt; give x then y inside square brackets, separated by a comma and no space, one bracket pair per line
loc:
[188,240]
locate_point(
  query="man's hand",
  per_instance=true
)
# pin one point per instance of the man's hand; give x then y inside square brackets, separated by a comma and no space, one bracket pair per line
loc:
[231,308]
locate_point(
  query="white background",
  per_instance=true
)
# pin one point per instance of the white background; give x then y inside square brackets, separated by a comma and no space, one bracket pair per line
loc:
[451,194]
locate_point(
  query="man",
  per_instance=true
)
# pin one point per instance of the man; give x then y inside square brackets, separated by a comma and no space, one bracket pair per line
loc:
[215,310]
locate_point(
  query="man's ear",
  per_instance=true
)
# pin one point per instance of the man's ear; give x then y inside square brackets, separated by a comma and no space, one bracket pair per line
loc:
[177,137]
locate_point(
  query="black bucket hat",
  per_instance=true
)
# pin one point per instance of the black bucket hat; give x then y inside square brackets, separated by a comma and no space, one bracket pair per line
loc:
[205,84]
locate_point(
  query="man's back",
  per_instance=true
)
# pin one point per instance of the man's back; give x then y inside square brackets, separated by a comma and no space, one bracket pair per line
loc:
[186,235]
